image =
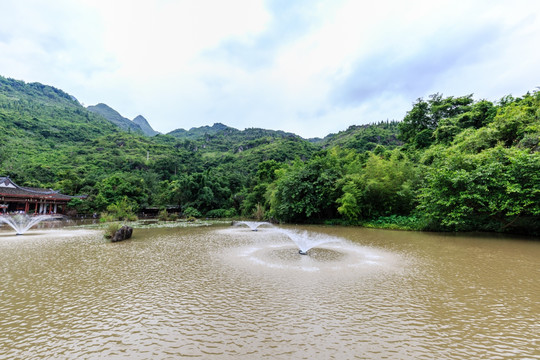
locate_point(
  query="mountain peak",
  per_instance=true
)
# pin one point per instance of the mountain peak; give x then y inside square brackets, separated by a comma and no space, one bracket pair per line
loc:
[114,116]
[145,126]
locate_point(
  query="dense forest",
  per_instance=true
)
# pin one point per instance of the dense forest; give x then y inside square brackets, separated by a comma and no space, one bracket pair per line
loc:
[452,164]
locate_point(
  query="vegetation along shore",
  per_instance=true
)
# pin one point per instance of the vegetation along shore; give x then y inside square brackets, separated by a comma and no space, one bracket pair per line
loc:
[451,164]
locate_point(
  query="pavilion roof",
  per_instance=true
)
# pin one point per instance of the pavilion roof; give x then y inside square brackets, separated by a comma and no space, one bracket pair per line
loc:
[9,188]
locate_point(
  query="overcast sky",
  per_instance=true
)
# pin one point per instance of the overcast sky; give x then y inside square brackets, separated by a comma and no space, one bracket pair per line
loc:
[311,67]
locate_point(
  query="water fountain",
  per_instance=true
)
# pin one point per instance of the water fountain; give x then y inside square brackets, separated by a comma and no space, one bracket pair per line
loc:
[303,239]
[253,225]
[306,251]
[21,223]
[306,241]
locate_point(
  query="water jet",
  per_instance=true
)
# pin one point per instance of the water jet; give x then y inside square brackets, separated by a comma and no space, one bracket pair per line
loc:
[306,241]
[21,223]
[253,225]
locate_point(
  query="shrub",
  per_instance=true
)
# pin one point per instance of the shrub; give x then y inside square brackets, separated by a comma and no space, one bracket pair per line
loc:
[111,229]
[106,217]
[396,222]
[221,213]
[122,210]
[192,212]
[163,215]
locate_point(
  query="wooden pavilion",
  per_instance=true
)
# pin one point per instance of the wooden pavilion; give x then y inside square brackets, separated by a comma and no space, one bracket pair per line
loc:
[15,198]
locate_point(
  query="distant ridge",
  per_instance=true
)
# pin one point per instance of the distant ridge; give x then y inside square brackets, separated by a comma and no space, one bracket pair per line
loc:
[113,116]
[219,128]
[35,115]
[199,132]
[16,90]
[360,137]
[145,126]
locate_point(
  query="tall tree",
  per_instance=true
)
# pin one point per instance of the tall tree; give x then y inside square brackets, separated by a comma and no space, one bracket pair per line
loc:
[422,120]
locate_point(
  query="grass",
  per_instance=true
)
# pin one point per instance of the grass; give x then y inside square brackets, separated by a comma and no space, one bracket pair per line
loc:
[111,229]
[395,222]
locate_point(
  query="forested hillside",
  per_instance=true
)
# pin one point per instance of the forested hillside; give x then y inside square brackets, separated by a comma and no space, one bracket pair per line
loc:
[465,165]
[47,139]
[113,116]
[452,164]
[366,137]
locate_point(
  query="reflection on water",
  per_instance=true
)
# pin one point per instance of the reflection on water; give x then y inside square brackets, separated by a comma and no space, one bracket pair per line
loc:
[235,293]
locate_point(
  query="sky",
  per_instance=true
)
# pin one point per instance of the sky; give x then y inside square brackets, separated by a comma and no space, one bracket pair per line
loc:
[311,67]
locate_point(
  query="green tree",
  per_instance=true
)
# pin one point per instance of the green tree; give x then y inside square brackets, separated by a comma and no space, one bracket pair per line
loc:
[123,209]
[114,188]
[497,189]
[256,199]
[420,123]
[385,186]
[307,192]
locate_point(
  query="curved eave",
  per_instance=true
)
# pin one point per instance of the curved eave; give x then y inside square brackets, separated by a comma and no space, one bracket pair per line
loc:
[34,196]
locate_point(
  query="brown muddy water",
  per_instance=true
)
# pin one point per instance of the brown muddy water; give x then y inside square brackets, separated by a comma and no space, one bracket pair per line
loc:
[232,293]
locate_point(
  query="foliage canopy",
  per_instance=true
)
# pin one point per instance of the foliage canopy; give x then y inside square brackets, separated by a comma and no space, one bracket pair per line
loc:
[452,164]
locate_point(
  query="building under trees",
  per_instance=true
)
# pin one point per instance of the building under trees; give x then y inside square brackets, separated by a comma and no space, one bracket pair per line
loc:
[15,198]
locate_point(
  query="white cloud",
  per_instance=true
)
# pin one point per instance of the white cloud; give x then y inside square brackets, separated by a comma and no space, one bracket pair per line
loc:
[165,37]
[311,67]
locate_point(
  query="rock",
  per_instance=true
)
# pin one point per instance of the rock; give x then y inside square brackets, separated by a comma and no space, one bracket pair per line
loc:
[123,233]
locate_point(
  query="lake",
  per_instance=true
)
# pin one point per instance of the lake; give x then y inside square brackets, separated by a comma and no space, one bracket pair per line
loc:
[227,292]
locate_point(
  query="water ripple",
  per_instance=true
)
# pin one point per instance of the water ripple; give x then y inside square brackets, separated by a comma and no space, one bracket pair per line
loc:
[248,295]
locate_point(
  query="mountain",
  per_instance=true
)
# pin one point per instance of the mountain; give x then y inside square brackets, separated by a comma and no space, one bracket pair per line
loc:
[145,126]
[364,137]
[34,116]
[220,137]
[139,125]
[113,116]
[12,90]
[200,132]
[219,129]
[49,140]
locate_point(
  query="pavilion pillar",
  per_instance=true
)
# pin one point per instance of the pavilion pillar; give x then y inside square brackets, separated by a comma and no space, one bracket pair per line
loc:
[36,209]
[26,207]
[55,208]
